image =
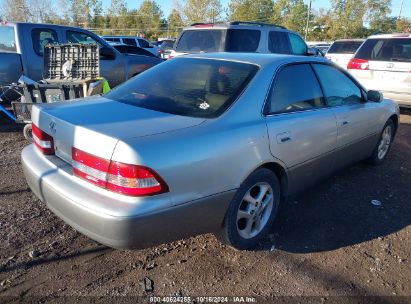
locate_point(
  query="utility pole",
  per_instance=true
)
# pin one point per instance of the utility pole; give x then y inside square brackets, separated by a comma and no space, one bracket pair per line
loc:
[308,20]
[399,14]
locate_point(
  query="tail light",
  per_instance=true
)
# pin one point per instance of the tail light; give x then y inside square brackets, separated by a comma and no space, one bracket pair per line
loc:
[127,179]
[43,141]
[358,64]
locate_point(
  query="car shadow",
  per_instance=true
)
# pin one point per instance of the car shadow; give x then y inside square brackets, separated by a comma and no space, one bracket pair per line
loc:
[339,212]
[97,251]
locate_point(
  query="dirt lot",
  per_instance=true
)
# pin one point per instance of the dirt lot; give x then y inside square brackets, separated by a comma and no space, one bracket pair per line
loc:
[330,241]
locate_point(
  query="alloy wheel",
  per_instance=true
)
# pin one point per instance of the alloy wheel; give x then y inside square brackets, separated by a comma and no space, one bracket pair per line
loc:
[254,210]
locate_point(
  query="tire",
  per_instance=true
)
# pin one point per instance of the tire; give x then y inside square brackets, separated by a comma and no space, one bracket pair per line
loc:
[384,144]
[28,132]
[251,212]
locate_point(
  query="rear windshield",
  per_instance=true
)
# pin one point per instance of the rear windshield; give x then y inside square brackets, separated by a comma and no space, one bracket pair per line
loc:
[344,47]
[195,41]
[187,86]
[7,39]
[398,49]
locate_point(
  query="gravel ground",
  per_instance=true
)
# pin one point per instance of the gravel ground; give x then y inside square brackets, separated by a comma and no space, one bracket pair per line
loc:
[330,241]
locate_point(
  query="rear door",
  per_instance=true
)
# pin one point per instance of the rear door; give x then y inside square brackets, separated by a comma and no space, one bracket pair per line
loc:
[302,130]
[358,121]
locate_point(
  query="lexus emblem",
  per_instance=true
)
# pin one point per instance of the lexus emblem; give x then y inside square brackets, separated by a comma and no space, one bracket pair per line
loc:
[52,126]
[390,65]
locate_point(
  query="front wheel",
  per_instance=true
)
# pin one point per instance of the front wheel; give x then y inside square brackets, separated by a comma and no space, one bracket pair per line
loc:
[252,210]
[384,144]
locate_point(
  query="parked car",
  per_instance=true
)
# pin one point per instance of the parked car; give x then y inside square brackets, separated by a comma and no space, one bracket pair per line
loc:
[341,51]
[317,51]
[323,47]
[22,46]
[239,37]
[165,47]
[383,62]
[202,143]
[132,50]
[135,41]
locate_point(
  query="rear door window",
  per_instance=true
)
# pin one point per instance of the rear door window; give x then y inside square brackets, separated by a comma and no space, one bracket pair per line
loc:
[41,38]
[338,88]
[279,43]
[242,40]
[298,45]
[130,41]
[143,43]
[295,89]
[7,39]
[397,49]
[113,39]
[83,38]
[195,41]
[344,47]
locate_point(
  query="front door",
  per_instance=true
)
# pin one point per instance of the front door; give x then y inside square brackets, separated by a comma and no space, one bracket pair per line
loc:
[357,119]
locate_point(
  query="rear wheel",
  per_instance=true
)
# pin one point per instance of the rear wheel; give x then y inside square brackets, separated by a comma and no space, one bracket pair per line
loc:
[252,210]
[28,132]
[384,144]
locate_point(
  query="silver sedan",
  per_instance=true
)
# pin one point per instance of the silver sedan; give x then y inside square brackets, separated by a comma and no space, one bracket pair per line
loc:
[202,143]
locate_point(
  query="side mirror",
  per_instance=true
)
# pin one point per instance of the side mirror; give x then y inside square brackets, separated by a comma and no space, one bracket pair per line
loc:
[374,96]
[107,53]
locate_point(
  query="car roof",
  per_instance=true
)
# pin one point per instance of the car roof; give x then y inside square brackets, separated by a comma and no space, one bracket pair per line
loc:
[261,59]
[48,25]
[394,35]
[236,25]
[349,40]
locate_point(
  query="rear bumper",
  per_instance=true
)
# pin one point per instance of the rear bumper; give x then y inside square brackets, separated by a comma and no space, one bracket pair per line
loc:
[135,231]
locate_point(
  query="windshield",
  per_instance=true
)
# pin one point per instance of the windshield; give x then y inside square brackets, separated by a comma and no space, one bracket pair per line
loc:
[7,39]
[397,49]
[187,86]
[195,41]
[344,47]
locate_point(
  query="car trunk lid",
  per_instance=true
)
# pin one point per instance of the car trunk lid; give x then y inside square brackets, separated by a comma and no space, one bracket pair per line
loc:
[97,124]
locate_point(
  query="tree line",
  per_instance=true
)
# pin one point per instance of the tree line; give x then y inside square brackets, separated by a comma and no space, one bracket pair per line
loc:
[344,19]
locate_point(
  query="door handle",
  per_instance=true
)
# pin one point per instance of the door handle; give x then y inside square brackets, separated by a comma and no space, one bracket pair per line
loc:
[345,122]
[284,137]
